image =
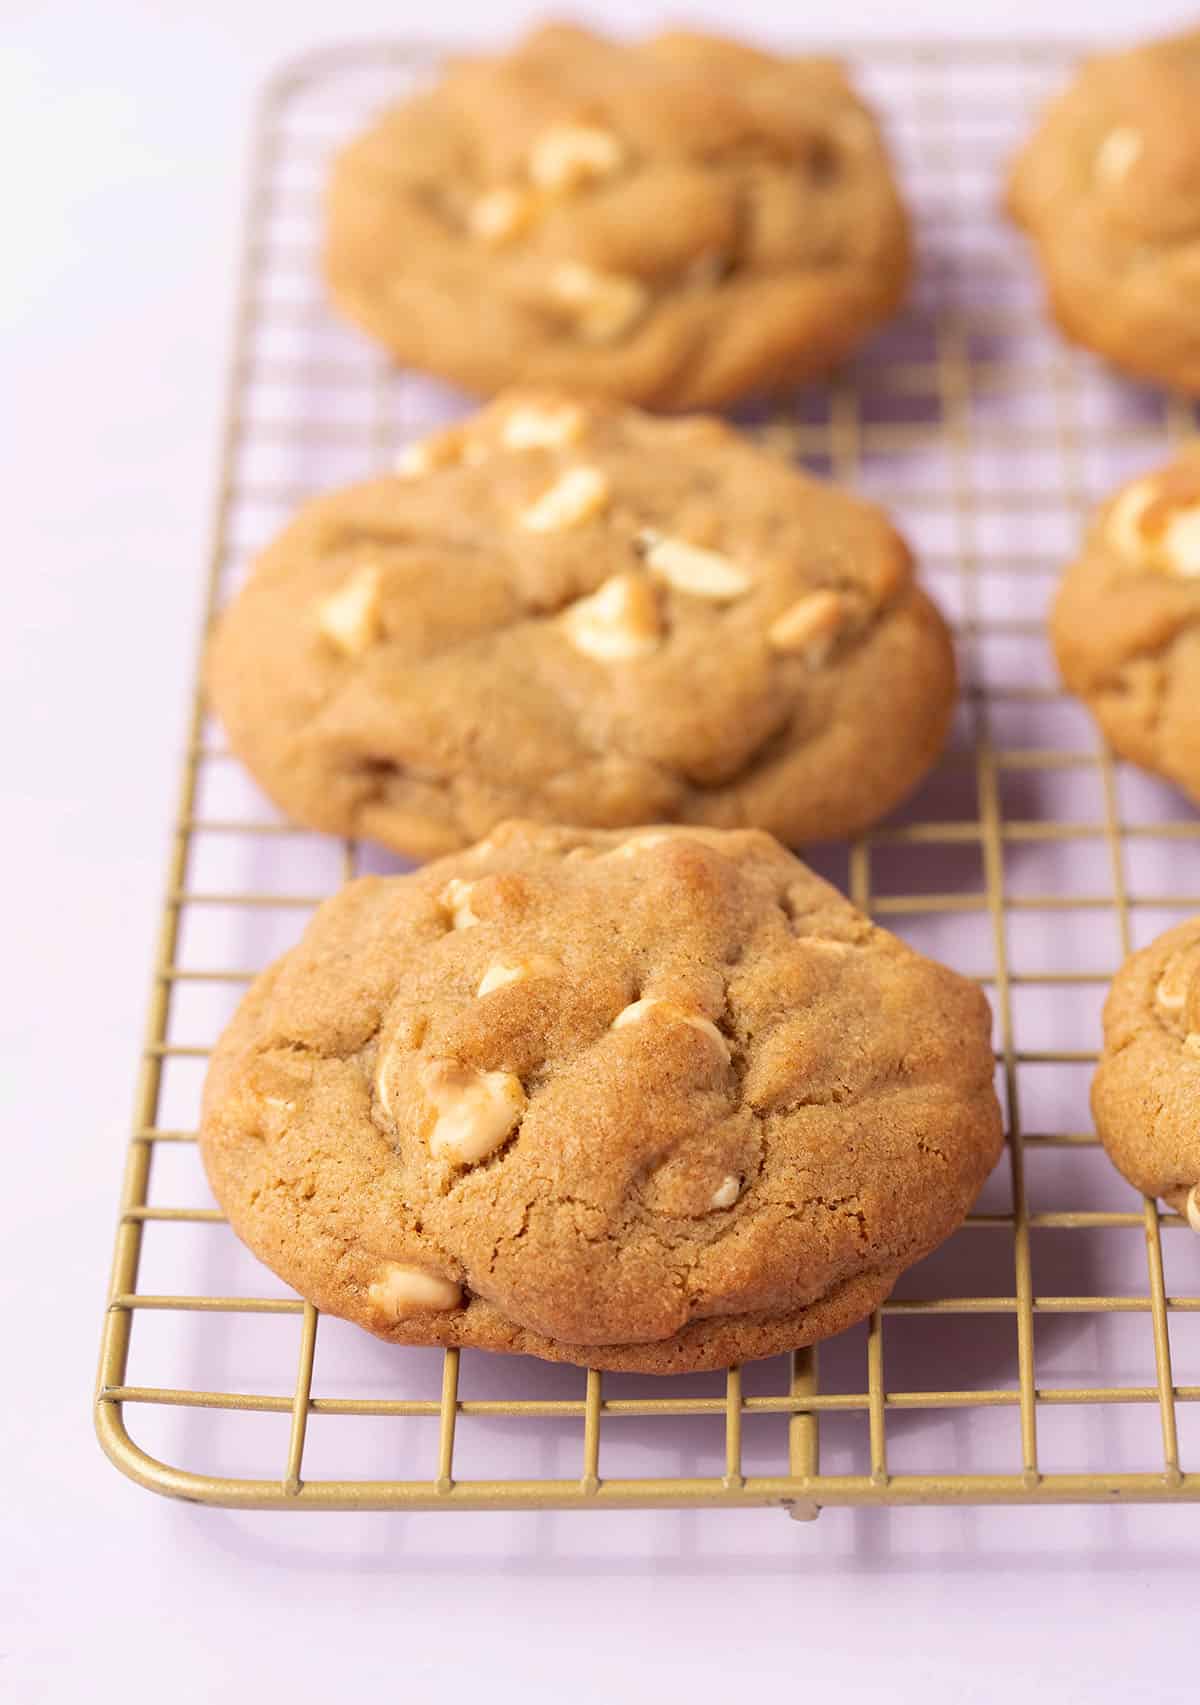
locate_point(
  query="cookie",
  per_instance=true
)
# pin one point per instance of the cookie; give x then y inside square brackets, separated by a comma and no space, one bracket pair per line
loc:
[674,223]
[1108,188]
[1126,622]
[1146,1092]
[663,1101]
[578,612]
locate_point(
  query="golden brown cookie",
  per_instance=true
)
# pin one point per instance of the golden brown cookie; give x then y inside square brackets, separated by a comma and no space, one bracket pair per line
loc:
[586,614]
[1146,1093]
[1126,623]
[674,222]
[659,1101]
[1108,188]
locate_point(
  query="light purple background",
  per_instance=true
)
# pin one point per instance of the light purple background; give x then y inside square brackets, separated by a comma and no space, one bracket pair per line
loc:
[124,137]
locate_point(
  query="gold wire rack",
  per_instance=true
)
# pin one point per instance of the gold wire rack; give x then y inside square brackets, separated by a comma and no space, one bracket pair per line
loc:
[1037,1357]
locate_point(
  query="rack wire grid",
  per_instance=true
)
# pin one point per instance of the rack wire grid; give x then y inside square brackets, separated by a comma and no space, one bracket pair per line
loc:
[1036,1358]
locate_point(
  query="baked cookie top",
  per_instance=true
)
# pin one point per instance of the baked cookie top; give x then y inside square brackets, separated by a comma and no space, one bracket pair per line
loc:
[1126,622]
[674,222]
[1109,188]
[657,1100]
[1146,1092]
[579,612]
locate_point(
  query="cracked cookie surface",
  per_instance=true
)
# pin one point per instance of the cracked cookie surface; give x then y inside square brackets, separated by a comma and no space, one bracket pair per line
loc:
[580,612]
[1146,1092]
[1126,621]
[1108,188]
[674,222]
[656,1101]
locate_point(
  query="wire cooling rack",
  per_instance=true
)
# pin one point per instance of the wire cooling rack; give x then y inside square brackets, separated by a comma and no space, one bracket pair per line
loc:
[1039,1356]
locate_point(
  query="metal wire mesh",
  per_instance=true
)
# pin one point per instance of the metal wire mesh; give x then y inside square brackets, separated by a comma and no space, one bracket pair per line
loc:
[1036,1357]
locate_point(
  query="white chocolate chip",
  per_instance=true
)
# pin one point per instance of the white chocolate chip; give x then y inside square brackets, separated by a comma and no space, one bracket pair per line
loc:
[1181,543]
[501,214]
[604,305]
[809,626]
[643,842]
[382,1092]
[1118,154]
[691,568]
[618,621]
[530,427]
[1191,1042]
[569,155]
[641,1010]
[578,495]
[414,459]
[423,455]
[1192,1207]
[727,1192]
[499,976]
[1172,989]
[349,617]
[474,1112]
[407,1290]
[1125,516]
[455,898]
[280,1101]
[1175,551]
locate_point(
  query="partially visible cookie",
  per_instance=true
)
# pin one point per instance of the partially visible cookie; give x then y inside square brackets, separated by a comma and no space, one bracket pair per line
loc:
[673,222]
[1126,622]
[1108,187]
[659,1101]
[579,612]
[1146,1093]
